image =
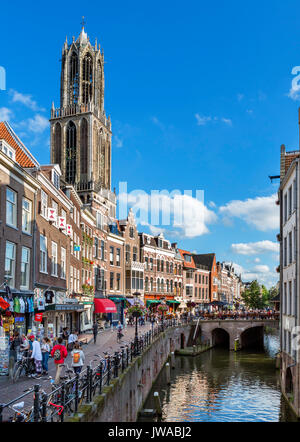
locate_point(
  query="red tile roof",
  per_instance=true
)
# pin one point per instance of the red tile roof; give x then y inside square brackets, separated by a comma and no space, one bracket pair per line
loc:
[23,158]
[187,264]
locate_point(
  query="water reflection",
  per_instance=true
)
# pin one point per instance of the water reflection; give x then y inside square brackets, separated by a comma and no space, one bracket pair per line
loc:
[222,386]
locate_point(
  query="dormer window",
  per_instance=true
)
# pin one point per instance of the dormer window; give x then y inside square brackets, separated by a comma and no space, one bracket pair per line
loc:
[188,258]
[55,179]
[8,150]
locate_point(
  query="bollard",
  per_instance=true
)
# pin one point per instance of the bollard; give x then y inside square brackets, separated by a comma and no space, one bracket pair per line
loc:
[168,374]
[157,404]
[36,403]
[172,359]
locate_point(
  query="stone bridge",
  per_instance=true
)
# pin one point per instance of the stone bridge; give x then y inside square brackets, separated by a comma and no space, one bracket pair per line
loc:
[224,332]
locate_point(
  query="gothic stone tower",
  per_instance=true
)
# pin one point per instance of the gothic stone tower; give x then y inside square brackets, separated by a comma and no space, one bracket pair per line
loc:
[80,131]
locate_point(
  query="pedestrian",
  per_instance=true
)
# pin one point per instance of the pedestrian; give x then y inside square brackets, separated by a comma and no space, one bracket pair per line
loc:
[14,349]
[45,354]
[65,335]
[78,358]
[59,354]
[73,337]
[36,355]
[95,331]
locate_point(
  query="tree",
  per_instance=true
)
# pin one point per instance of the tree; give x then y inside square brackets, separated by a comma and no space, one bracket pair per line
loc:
[253,296]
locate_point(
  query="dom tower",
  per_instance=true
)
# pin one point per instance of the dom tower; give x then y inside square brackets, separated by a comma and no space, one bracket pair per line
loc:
[80,131]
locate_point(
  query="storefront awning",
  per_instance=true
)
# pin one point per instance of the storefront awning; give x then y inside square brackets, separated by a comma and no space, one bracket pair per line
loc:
[132,301]
[104,306]
[117,298]
[153,301]
[172,301]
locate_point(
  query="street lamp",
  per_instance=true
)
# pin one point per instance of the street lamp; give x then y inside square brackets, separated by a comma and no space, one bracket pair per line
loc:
[136,315]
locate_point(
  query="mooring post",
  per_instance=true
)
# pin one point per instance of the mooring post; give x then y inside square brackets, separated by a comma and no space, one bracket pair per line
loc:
[157,404]
[172,359]
[168,373]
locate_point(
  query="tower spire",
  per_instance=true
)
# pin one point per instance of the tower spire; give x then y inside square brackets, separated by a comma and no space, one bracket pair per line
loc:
[83,22]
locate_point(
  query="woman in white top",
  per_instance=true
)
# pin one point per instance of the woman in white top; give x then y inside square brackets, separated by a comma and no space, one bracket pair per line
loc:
[36,355]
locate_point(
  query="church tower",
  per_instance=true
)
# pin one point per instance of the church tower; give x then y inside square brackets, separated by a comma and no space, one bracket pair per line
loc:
[80,132]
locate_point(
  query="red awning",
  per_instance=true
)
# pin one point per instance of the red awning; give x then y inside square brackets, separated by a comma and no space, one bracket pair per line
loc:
[104,306]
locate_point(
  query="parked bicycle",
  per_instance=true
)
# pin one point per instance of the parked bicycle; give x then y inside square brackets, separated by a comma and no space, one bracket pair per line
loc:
[23,367]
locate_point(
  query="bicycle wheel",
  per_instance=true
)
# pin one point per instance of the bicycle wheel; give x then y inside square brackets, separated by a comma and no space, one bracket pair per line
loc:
[17,372]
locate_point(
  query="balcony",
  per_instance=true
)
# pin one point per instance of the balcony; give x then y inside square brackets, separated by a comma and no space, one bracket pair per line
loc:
[78,109]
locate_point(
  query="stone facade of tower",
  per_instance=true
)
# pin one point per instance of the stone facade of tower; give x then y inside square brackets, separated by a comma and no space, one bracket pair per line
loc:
[80,131]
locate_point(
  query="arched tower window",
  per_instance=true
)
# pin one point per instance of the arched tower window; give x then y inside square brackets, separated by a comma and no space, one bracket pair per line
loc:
[71,153]
[57,143]
[74,79]
[84,147]
[99,87]
[87,79]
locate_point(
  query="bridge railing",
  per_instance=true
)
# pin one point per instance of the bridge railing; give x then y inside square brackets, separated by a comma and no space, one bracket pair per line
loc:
[65,399]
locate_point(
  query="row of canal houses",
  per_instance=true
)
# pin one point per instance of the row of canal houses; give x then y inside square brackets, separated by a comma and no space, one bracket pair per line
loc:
[66,256]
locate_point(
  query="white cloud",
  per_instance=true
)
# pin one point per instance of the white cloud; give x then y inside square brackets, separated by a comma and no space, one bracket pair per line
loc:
[227,121]
[254,248]
[18,97]
[256,260]
[261,268]
[261,273]
[184,215]
[5,114]
[38,123]
[260,212]
[201,121]
[118,141]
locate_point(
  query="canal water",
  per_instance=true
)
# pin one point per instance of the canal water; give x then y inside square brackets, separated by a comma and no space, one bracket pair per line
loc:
[223,386]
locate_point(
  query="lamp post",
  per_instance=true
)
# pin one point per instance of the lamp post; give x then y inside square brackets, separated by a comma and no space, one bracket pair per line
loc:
[162,313]
[136,315]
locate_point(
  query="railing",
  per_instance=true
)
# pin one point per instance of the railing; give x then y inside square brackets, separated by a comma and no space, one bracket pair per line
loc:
[65,399]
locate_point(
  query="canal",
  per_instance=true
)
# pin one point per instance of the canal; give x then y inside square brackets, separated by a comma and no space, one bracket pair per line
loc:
[223,386]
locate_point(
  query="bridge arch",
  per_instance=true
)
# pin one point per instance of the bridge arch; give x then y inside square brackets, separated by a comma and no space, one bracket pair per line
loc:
[289,385]
[252,336]
[220,337]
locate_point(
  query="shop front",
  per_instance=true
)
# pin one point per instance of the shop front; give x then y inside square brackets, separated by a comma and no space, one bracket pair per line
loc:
[120,302]
[104,308]
[58,316]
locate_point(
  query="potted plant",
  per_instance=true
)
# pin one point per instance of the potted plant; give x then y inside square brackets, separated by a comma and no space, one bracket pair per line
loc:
[136,310]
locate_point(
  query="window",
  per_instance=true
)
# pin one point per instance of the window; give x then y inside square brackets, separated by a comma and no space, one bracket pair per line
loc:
[10,263]
[158,265]
[295,244]
[71,279]
[99,220]
[55,207]
[188,258]
[171,286]
[195,277]
[290,200]
[295,194]
[54,259]
[25,268]
[63,262]
[26,215]
[96,247]
[111,285]
[168,286]
[158,285]
[118,281]
[134,254]
[151,284]
[285,207]
[43,254]
[44,203]
[131,232]
[111,255]
[127,253]
[290,248]
[171,268]
[11,207]
[151,263]
[146,261]
[102,250]
[118,257]
[162,265]
[285,252]
[167,267]
[146,284]
[55,179]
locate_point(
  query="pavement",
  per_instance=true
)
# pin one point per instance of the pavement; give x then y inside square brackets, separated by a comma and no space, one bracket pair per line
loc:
[106,341]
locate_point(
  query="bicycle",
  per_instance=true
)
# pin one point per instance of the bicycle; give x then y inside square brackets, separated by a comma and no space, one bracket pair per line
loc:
[23,365]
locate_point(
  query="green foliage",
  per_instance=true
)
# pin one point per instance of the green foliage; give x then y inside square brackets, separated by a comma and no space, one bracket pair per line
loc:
[253,296]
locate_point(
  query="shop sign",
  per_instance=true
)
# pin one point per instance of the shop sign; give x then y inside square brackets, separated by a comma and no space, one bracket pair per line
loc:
[69,230]
[62,222]
[38,317]
[52,215]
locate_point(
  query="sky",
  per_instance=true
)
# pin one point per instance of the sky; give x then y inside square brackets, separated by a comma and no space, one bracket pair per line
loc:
[200,100]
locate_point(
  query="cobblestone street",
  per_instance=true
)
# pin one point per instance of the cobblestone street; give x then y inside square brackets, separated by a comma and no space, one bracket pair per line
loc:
[106,341]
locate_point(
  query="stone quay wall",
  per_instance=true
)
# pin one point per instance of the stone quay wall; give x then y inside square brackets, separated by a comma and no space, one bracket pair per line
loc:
[122,400]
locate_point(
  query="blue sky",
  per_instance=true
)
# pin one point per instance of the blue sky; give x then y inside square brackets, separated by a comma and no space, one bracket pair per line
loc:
[199,99]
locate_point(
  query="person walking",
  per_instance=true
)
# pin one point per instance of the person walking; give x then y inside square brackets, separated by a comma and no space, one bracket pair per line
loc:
[59,354]
[65,335]
[73,337]
[36,355]
[78,358]
[95,331]
[45,354]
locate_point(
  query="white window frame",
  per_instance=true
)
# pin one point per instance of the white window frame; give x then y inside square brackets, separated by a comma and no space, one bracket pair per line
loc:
[13,203]
[44,203]
[26,215]
[12,281]
[27,273]
[53,259]
[63,262]
[43,255]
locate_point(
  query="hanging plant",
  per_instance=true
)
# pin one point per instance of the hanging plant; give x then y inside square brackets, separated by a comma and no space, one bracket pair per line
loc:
[162,308]
[136,311]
